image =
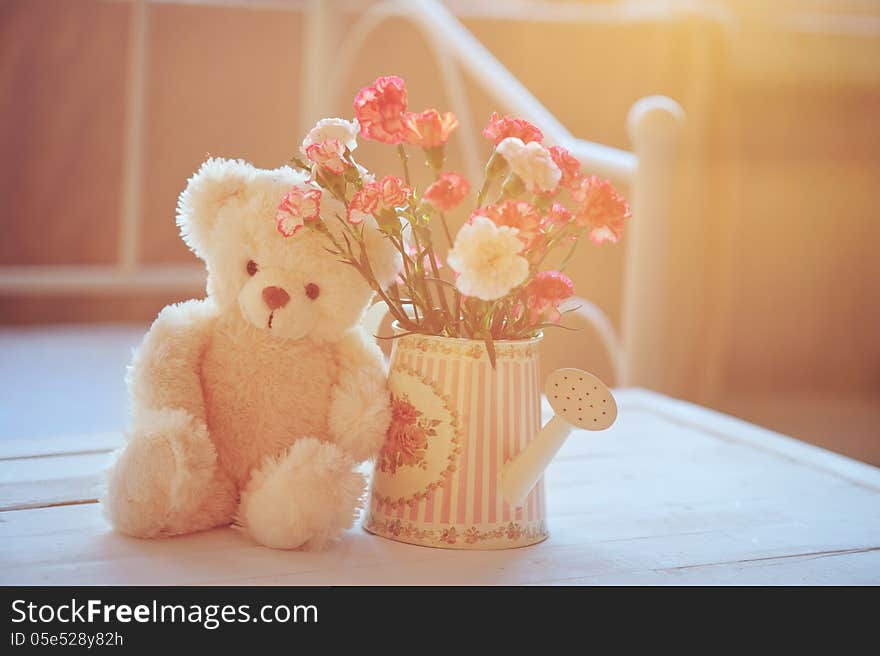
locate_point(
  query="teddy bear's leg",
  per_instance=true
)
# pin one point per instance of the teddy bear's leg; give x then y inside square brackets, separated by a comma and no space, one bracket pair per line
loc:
[166,480]
[304,498]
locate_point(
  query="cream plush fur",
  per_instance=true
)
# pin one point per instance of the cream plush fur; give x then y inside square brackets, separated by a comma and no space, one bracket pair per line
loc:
[246,414]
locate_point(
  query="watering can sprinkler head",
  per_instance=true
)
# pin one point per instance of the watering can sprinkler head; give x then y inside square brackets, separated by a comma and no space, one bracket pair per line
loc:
[580,400]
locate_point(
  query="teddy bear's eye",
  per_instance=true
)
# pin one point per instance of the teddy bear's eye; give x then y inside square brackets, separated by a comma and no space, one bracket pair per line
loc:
[251,268]
[312,291]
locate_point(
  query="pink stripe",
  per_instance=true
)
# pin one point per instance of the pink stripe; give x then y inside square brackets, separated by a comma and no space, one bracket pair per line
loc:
[527,510]
[517,422]
[533,384]
[496,377]
[461,506]
[414,509]
[423,366]
[447,489]
[536,422]
[401,509]
[541,510]
[539,494]
[396,359]
[431,501]
[507,395]
[482,411]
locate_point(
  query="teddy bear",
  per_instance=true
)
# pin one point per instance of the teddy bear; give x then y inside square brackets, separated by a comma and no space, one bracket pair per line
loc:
[254,405]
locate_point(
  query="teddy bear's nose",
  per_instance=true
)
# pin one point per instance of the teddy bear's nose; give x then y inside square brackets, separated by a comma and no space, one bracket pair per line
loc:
[275,297]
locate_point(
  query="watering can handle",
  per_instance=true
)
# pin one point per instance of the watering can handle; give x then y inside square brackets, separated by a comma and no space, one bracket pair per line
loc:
[521,473]
[579,400]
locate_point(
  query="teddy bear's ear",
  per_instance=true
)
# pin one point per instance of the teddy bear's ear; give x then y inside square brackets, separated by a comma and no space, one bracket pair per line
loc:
[216,181]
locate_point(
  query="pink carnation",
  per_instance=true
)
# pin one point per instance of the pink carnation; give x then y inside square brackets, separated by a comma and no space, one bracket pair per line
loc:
[376,197]
[518,214]
[600,209]
[545,293]
[328,155]
[380,109]
[364,203]
[429,128]
[393,192]
[570,167]
[498,129]
[297,207]
[447,191]
[558,214]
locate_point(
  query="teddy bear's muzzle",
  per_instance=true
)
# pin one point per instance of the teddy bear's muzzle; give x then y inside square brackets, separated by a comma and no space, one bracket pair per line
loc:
[275,297]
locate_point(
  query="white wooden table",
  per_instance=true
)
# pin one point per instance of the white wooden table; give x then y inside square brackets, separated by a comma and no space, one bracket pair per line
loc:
[673,493]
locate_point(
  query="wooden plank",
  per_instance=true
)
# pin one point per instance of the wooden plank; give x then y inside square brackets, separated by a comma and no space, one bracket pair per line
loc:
[84,551]
[79,478]
[639,442]
[671,494]
[655,496]
[730,428]
[857,567]
[52,480]
[37,447]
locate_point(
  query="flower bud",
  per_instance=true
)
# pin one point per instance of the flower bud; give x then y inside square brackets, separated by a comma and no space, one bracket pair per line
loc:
[513,186]
[351,175]
[388,222]
[496,166]
[435,156]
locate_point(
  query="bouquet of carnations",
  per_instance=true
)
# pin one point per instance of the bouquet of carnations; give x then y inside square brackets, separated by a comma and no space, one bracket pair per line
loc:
[533,201]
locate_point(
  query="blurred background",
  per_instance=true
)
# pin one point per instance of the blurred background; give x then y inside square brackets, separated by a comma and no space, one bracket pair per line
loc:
[774,287]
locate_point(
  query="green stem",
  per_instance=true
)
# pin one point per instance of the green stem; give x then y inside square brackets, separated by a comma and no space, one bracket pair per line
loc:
[457,314]
[404,160]
[408,277]
[446,228]
[568,257]
[443,302]
[396,309]
[430,309]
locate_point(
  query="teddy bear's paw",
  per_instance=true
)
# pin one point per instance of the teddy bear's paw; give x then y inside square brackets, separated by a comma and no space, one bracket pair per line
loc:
[161,476]
[360,413]
[304,498]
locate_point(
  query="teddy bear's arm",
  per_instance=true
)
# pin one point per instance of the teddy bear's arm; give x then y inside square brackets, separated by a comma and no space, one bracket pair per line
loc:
[165,370]
[360,408]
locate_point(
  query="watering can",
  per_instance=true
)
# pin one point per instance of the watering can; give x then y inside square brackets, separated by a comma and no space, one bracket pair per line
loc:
[463,461]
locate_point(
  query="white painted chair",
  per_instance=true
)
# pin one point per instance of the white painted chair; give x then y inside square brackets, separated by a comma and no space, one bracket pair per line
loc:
[647,171]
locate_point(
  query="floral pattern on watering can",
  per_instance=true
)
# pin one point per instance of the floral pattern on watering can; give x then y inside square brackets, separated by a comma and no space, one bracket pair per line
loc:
[456,421]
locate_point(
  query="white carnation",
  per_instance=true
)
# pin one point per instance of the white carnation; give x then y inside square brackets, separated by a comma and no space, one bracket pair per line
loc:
[487,260]
[327,129]
[531,162]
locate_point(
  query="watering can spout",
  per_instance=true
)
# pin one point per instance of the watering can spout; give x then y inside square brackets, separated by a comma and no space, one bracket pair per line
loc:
[579,400]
